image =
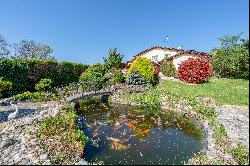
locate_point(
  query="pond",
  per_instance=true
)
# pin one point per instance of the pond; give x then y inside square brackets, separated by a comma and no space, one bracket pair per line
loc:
[122,134]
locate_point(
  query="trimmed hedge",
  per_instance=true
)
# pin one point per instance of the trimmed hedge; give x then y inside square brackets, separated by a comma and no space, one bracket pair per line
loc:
[25,73]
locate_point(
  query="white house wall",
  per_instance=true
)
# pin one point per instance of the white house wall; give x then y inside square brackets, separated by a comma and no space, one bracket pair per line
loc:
[181,58]
[161,53]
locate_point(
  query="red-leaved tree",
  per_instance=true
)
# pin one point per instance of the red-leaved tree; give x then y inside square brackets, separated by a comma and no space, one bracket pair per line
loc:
[195,70]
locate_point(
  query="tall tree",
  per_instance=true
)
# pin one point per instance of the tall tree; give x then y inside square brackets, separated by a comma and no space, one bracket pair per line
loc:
[231,60]
[229,41]
[4,51]
[114,59]
[31,49]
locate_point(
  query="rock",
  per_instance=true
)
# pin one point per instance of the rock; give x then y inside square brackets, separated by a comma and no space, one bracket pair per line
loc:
[17,157]
[228,156]
[17,147]
[24,161]
[7,142]
[44,157]
[82,162]
[11,163]
[47,162]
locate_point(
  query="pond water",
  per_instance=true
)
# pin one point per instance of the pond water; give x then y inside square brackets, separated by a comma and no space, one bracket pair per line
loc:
[121,134]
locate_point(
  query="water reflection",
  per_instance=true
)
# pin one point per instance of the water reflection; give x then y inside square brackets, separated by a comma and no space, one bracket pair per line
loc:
[122,134]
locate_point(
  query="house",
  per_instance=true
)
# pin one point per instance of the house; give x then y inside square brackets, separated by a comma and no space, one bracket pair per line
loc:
[173,55]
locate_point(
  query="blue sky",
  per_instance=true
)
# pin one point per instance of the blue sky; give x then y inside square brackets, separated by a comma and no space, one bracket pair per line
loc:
[84,30]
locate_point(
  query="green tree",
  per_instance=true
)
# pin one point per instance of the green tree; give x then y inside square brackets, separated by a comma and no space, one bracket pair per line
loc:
[229,41]
[231,60]
[4,51]
[114,59]
[31,49]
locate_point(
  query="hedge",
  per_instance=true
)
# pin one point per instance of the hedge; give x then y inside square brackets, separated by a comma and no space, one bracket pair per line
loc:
[25,73]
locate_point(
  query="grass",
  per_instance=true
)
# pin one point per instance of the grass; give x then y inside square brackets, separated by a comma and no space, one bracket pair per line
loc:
[240,154]
[220,134]
[223,91]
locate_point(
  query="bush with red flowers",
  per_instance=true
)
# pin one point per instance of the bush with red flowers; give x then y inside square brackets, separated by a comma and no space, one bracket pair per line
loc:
[156,68]
[195,70]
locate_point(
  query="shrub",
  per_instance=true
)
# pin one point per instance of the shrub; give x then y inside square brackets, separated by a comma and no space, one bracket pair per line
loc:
[25,73]
[27,96]
[4,86]
[195,70]
[156,68]
[136,79]
[43,85]
[118,77]
[93,78]
[168,69]
[144,67]
[36,96]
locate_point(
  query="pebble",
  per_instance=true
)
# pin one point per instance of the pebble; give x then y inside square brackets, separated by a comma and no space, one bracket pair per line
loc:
[82,162]
[47,162]
[43,157]
[24,161]
[7,142]
[17,144]
[236,122]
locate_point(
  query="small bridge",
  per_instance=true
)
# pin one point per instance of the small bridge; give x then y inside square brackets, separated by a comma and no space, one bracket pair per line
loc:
[72,93]
[79,96]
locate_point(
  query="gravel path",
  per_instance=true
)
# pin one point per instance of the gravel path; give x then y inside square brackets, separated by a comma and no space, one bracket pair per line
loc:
[17,142]
[236,122]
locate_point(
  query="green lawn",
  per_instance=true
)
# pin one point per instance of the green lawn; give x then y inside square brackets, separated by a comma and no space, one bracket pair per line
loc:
[223,91]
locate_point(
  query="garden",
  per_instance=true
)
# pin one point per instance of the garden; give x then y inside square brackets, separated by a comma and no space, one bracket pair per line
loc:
[153,114]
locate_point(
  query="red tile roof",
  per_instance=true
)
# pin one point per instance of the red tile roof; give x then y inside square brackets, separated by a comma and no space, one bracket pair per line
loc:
[192,52]
[158,47]
[179,52]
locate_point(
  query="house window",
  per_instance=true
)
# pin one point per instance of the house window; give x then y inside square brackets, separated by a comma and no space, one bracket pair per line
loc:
[155,58]
[166,56]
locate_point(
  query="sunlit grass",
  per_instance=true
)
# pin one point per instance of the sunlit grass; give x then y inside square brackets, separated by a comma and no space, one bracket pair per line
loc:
[223,91]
